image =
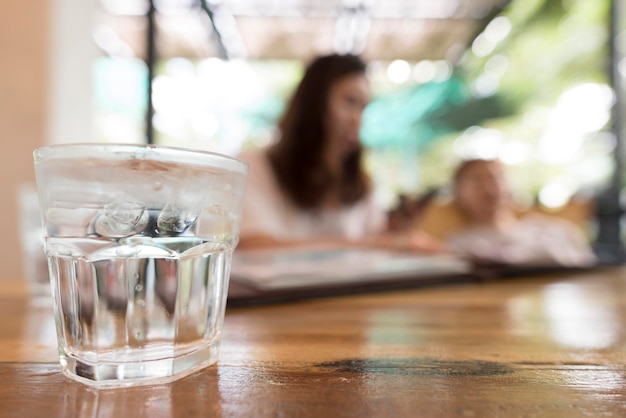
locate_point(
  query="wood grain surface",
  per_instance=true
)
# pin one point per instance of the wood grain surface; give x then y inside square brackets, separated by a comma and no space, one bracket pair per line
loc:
[551,346]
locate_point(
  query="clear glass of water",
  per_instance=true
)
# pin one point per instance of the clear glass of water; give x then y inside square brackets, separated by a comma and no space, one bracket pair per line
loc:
[139,241]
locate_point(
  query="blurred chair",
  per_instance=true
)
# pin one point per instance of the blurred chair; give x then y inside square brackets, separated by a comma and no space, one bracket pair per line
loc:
[441,218]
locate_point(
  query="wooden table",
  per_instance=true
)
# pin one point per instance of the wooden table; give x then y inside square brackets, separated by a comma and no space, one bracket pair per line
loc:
[550,346]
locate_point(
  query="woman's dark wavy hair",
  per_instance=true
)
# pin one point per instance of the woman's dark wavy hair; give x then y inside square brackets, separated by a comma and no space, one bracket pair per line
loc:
[298,158]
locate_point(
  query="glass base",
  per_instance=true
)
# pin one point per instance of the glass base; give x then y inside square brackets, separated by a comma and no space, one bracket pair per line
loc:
[107,375]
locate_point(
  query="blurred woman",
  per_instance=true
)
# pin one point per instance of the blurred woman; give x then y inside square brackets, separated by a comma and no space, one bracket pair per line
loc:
[310,188]
[494,231]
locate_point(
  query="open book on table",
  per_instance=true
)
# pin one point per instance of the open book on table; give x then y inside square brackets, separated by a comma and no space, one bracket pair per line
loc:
[291,273]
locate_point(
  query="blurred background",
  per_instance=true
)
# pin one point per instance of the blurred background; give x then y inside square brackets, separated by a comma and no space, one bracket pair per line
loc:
[536,83]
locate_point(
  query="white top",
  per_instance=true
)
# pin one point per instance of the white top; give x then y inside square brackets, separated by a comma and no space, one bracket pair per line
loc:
[534,240]
[267,211]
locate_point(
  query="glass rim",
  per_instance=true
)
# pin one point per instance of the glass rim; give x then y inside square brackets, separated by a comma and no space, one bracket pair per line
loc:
[151,152]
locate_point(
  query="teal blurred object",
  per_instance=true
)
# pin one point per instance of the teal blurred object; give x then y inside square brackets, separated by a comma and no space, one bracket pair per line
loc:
[420,114]
[265,114]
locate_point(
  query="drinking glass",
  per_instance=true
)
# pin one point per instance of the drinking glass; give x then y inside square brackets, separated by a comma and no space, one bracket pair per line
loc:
[139,241]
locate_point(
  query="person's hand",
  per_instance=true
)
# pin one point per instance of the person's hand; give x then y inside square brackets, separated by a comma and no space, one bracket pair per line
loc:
[415,241]
[422,242]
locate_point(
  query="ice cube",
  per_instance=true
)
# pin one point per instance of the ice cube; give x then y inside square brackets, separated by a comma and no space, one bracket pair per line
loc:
[217,222]
[174,219]
[121,219]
